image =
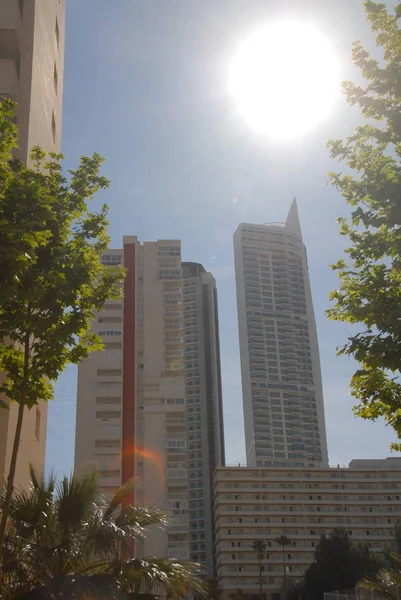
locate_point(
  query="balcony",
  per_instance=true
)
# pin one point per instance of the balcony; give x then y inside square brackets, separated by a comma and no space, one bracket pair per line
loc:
[8,77]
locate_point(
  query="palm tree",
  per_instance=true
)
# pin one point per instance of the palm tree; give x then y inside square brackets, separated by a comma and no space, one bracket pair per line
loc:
[237,595]
[65,541]
[260,548]
[387,582]
[284,541]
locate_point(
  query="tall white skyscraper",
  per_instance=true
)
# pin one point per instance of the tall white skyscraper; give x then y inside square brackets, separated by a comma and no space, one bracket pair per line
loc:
[149,406]
[131,405]
[280,365]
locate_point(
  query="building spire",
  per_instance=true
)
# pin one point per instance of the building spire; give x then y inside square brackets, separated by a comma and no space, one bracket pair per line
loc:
[292,222]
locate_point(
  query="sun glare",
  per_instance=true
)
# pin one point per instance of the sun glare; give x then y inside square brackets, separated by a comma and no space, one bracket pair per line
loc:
[284,79]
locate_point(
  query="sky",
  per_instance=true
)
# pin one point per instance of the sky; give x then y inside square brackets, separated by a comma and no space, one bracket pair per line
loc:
[146,86]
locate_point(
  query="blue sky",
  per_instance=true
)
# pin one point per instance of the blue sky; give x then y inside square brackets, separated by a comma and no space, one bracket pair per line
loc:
[146,86]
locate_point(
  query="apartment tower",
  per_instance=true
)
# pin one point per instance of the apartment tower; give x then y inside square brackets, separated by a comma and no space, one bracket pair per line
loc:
[31,73]
[280,365]
[146,403]
[205,433]
[301,504]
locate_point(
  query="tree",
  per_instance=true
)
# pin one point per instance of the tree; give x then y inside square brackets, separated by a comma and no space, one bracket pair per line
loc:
[260,548]
[213,590]
[64,541]
[338,564]
[238,595]
[284,541]
[369,293]
[387,582]
[52,279]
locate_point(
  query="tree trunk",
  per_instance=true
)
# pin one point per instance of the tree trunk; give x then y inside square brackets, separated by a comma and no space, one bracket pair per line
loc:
[14,455]
[260,580]
[285,575]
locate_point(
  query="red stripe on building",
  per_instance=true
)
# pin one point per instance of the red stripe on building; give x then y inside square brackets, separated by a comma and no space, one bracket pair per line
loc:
[129,350]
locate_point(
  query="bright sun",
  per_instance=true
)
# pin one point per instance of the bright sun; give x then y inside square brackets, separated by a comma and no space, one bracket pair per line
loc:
[284,79]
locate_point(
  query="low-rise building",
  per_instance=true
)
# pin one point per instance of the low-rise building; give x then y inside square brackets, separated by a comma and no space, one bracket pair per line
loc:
[302,504]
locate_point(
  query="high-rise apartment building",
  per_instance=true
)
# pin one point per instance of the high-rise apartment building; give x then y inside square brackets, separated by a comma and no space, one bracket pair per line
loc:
[31,69]
[146,403]
[204,407]
[301,504]
[280,365]
[31,73]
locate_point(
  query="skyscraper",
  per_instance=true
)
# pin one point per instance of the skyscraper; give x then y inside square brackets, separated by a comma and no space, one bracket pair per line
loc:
[280,365]
[146,403]
[204,407]
[31,69]
[31,73]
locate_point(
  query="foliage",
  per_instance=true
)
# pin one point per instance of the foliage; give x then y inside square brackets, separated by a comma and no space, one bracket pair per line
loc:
[338,564]
[52,279]
[238,595]
[369,294]
[387,582]
[283,541]
[64,540]
[260,547]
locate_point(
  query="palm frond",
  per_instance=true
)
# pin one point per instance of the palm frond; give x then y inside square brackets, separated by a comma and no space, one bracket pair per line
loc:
[386,583]
[121,494]
[161,575]
[63,537]
[75,496]
[139,517]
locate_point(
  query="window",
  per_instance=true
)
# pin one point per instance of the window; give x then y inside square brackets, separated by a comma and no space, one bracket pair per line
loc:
[175,444]
[37,423]
[111,259]
[109,473]
[57,32]
[108,414]
[113,346]
[107,443]
[55,78]
[177,504]
[175,401]
[53,127]
[110,372]
[110,332]
[112,306]
[176,473]
[109,384]
[108,400]
[110,319]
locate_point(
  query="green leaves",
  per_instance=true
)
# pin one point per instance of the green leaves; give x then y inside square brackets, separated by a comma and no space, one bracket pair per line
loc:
[52,277]
[338,564]
[63,541]
[369,293]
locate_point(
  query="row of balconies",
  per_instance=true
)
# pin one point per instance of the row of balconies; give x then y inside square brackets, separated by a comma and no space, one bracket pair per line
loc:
[311,532]
[266,502]
[271,475]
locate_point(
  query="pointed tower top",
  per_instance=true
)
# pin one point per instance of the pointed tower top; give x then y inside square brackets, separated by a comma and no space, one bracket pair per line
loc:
[292,222]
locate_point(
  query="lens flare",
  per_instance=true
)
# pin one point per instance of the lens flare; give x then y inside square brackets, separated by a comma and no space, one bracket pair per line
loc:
[153,464]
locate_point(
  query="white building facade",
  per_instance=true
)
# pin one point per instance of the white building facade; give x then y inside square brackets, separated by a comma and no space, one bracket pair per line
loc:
[131,408]
[149,406]
[280,365]
[301,504]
